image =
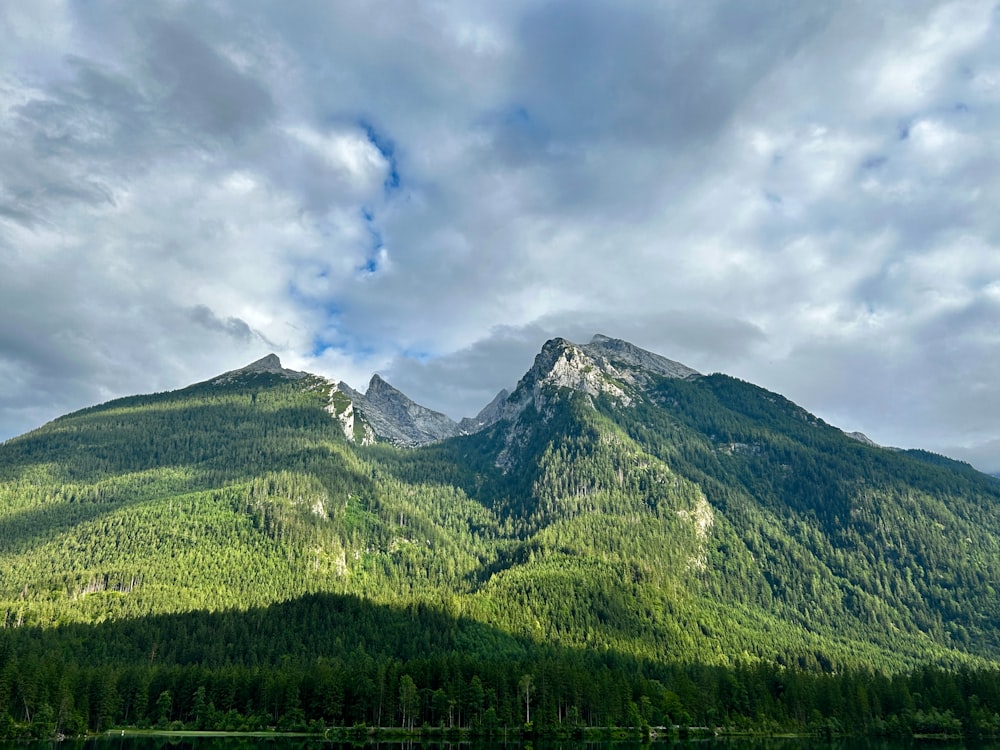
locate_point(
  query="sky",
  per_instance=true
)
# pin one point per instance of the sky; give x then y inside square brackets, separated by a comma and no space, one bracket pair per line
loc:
[802,195]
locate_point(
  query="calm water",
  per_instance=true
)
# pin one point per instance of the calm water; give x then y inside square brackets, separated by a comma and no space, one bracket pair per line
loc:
[285,743]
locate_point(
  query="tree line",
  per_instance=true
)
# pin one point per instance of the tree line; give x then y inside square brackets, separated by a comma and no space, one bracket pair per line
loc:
[543,689]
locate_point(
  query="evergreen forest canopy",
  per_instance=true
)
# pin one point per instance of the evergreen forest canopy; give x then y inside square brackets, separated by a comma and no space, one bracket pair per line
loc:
[699,552]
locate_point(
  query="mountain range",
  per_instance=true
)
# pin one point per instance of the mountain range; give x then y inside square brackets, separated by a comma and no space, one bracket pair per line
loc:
[613,501]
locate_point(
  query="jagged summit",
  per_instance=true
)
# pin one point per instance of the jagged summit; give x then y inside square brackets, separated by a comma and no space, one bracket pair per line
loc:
[561,362]
[603,366]
[269,364]
[395,417]
[379,388]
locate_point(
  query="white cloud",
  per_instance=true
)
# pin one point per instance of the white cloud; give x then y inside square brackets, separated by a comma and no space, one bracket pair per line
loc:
[913,65]
[803,195]
[352,160]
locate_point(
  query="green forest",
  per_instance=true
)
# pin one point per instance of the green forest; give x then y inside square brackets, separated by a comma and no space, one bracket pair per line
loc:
[326,661]
[222,557]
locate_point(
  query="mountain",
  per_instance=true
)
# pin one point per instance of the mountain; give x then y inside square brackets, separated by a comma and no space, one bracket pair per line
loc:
[394,417]
[381,413]
[605,365]
[792,519]
[614,514]
[610,367]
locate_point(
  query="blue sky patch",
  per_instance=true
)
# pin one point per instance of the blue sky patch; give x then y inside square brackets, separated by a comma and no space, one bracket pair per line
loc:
[387,148]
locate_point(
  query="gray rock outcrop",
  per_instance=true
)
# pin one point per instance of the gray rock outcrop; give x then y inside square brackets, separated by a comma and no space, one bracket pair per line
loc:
[488,415]
[269,364]
[395,417]
[622,352]
[604,366]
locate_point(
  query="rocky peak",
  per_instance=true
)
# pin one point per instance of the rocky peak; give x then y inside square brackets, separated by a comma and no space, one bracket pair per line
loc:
[488,415]
[605,365]
[378,389]
[395,417]
[382,395]
[270,365]
[563,364]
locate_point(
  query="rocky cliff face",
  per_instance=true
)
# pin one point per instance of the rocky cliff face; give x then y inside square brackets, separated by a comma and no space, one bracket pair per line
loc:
[394,417]
[604,366]
[341,407]
[487,416]
[630,358]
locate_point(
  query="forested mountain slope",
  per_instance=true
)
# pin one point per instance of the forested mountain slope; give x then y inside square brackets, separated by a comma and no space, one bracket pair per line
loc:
[615,504]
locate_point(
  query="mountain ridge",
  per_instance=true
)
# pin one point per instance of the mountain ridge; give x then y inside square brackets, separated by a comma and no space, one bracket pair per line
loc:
[651,501]
[630,540]
[389,414]
[395,417]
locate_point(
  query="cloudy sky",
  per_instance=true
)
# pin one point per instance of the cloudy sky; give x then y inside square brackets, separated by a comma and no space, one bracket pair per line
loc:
[804,195]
